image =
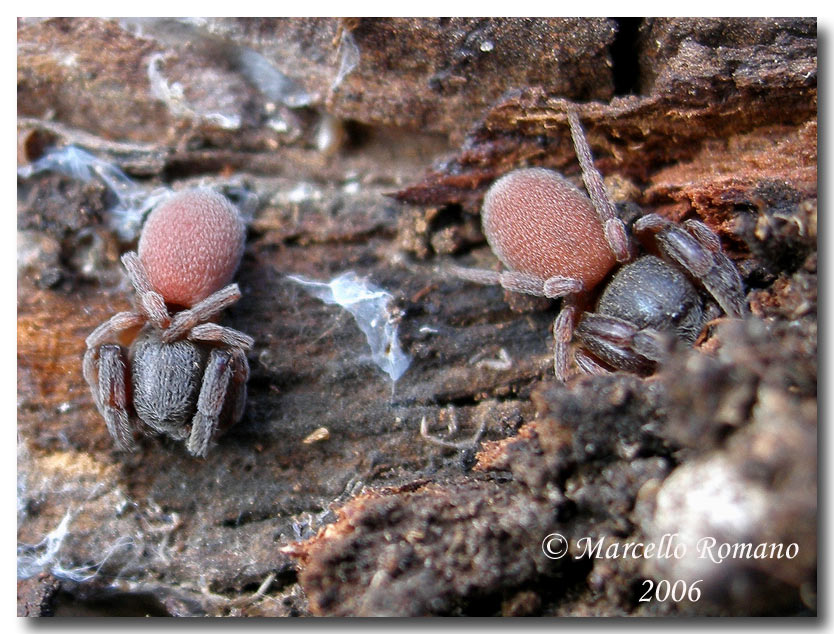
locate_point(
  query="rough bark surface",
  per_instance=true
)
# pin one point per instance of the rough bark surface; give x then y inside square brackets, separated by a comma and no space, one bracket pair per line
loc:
[367,145]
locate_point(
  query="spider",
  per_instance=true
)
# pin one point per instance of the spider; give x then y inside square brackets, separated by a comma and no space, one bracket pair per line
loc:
[558,242]
[181,374]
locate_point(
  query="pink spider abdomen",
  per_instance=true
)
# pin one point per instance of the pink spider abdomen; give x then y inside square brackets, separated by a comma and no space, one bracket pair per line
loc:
[191,246]
[539,223]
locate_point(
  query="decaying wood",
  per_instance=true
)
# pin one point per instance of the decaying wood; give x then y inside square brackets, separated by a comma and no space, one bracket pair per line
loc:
[372,517]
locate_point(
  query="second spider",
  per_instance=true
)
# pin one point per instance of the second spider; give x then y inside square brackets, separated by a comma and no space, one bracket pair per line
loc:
[558,242]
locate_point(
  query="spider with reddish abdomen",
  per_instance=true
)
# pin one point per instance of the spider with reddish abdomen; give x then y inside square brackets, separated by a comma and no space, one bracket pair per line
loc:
[167,364]
[558,242]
